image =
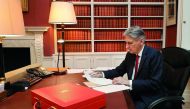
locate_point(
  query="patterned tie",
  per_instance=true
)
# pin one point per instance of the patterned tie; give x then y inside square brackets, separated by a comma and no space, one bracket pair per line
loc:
[136,65]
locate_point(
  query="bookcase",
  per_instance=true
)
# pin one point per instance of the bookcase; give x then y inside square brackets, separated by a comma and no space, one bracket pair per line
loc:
[100,25]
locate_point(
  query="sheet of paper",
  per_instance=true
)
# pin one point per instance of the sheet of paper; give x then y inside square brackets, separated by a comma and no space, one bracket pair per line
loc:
[102,84]
[90,84]
[103,68]
[100,81]
[75,71]
[111,88]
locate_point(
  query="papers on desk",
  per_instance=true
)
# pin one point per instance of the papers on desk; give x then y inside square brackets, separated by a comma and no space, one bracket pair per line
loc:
[102,84]
[111,88]
[103,68]
[69,71]
[99,81]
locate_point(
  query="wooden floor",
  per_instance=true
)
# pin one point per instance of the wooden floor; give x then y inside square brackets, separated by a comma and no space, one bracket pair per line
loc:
[186,95]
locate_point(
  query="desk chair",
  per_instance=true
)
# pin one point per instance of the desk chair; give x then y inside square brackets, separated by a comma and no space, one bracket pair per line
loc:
[176,75]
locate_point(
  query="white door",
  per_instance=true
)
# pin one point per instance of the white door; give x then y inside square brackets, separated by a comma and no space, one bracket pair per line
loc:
[185,39]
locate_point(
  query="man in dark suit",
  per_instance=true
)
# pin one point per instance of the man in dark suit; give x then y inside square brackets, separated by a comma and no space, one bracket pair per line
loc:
[143,65]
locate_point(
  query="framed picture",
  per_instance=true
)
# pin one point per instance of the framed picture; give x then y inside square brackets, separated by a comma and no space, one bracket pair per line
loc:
[24,4]
[171,12]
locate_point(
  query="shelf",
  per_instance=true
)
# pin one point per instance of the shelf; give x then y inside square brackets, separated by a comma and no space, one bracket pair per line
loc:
[147,16]
[76,28]
[83,16]
[78,41]
[110,3]
[110,16]
[109,40]
[147,3]
[101,23]
[110,28]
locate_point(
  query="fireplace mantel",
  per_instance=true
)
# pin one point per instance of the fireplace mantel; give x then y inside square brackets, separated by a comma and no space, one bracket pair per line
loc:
[32,39]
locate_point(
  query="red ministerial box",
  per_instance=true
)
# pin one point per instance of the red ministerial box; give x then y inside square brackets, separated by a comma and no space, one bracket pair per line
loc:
[68,96]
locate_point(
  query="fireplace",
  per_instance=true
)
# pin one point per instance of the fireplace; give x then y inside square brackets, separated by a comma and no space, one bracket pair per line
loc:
[16,57]
[33,40]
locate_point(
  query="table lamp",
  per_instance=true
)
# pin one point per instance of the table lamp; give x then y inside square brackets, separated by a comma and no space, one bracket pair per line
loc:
[11,24]
[62,13]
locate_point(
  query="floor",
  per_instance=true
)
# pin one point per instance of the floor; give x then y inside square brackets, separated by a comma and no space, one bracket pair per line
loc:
[186,95]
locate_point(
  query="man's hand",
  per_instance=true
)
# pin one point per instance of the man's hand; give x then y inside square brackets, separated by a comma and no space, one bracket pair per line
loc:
[96,74]
[120,80]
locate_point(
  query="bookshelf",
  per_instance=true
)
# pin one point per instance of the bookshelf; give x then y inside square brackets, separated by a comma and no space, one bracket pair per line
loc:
[101,24]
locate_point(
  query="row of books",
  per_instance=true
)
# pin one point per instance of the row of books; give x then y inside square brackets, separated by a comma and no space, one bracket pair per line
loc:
[120,10]
[104,34]
[81,23]
[75,35]
[153,34]
[156,45]
[82,10]
[108,34]
[110,0]
[109,47]
[147,10]
[127,0]
[103,46]
[75,0]
[117,23]
[111,23]
[147,22]
[114,0]
[147,0]
[110,10]
[78,47]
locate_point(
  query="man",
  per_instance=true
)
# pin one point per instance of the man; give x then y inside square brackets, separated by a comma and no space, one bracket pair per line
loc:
[143,66]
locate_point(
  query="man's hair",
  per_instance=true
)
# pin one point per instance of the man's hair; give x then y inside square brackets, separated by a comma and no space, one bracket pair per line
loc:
[135,32]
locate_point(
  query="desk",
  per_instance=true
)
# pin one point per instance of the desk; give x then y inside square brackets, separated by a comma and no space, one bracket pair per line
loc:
[22,100]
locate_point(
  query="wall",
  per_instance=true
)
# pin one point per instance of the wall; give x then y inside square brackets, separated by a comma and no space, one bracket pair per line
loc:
[171,32]
[171,35]
[38,15]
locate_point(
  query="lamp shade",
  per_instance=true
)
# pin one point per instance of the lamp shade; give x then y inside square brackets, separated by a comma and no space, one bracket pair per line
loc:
[62,13]
[11,18]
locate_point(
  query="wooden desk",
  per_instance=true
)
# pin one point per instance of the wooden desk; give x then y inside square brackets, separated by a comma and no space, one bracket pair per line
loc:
[22,100]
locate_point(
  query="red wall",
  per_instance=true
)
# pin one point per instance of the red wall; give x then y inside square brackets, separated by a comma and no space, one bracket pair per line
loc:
[171,35]
[38,15]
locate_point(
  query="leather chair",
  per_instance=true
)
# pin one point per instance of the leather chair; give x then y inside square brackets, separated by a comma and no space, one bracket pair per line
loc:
[176,76]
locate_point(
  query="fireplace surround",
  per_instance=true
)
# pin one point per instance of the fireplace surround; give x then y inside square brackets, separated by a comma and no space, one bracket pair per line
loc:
[32,39]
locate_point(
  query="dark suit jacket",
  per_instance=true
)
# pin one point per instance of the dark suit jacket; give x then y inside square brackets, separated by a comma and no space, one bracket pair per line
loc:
[148,82]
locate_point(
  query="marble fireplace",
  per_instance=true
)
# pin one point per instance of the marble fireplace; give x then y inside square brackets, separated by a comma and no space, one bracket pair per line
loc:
[32,39]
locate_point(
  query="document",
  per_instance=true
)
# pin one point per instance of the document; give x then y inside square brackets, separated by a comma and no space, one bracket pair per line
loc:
[111,88]
[70,71]
[100,81]
[103,68]
[102,84]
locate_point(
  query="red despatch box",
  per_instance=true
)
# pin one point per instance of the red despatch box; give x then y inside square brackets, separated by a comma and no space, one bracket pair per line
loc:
[67,96]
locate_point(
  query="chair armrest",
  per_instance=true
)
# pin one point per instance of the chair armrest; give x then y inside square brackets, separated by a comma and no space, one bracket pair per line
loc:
[164,99]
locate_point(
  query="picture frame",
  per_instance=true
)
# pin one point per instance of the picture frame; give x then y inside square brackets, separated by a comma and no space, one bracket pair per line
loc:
[171,12]
[24,4]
